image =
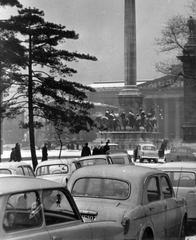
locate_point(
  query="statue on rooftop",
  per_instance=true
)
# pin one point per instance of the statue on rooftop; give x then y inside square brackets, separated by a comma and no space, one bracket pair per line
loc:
[192,26]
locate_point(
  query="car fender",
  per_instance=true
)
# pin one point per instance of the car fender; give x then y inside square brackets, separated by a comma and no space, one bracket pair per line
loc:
[146,225]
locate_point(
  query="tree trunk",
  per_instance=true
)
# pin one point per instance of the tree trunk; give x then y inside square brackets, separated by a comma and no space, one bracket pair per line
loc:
[30,102]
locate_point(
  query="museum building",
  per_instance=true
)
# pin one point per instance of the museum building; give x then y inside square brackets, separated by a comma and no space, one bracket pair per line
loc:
[166,98]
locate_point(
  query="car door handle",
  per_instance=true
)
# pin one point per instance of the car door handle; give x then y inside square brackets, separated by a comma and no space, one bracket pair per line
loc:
[56,238]
[151,208]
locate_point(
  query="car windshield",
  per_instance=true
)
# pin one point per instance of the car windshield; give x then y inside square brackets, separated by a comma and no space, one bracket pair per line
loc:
[101,188]
[151,148]
[182,179]
[90,162]
[5,171]
[52,169]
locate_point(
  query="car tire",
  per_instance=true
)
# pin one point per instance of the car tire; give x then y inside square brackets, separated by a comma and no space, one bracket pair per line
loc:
[183,230]
[155,161]
[141,160]
[148,234]
[149,160]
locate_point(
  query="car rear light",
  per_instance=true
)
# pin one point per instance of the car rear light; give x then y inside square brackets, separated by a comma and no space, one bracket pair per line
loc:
[125,223]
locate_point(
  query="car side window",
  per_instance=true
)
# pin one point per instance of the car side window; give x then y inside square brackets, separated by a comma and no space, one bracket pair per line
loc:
[153,191]
[165,188]
[28,171]
[20,171]
[23,211]
[57,208]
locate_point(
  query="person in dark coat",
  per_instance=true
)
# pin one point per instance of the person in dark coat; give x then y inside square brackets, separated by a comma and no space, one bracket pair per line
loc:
[17,153]
[44,153]
[12,155]
[106,147]
[86,150]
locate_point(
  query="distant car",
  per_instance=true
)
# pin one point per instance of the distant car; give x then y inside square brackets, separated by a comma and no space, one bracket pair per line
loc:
[33,208]
[113,146]
[16,168]
[183,178]
[140,198]
[182,153]
[120,157]
[147,151]
[95,160]
[58,170]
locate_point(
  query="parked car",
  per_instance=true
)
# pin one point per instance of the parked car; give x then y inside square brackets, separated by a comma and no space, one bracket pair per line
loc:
[147,151]
[183,178]
[58,170]
[95,160]
[178,154]
[16,168]
[33,208]
[120,157]
[140,198]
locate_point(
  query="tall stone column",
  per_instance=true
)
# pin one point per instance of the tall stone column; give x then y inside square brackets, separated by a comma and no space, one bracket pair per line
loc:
[130,97]
[189,62]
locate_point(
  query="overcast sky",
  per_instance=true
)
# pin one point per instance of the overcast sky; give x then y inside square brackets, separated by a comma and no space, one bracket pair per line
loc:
[100,24]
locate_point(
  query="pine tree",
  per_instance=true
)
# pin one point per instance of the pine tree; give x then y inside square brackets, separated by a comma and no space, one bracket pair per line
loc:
[44,90]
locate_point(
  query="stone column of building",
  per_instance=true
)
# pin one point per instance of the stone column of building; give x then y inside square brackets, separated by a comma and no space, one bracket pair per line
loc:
[166,118]
[177,119]
[130,97]
[189,62]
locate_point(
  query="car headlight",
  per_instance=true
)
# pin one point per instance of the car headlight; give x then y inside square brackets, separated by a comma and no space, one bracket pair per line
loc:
[125,223]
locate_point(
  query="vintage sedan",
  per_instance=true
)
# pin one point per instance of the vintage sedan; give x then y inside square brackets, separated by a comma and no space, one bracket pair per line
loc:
[17,168]
[183,178]
[178,154]
[140,198]
[147,151]
[33,208]
[58,170]
[100,159]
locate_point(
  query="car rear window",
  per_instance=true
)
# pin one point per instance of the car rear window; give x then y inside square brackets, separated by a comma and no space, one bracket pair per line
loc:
[90,162]
[52,169]
[182,179]
[118,160]
[5,171]
[149,148]
[101,188]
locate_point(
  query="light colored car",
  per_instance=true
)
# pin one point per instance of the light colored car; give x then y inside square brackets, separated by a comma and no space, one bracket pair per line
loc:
[178,154]
[16,168]
[183,178]
[33,208]
[58,170]
[100,159]
[140,198]
[147,152]
[120,157]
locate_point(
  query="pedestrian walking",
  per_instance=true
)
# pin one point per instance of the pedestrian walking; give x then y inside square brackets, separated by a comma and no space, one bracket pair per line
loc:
[12,155]
[44,153]
[86,150]
[17,153]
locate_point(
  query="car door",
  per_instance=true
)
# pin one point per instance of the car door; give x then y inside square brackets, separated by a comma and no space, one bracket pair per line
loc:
[155,207]
[23,217]
[172,209]
[62,218]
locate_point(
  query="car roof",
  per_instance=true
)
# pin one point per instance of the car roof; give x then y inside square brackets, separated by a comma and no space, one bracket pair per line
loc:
[13,165]
[183,147]
[177,165]
[56,161]
[18,183]
[122,171]
[93,157]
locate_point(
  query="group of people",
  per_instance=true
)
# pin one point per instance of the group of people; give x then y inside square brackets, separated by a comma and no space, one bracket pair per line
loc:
[15,154]
[86,151]
[133,122]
